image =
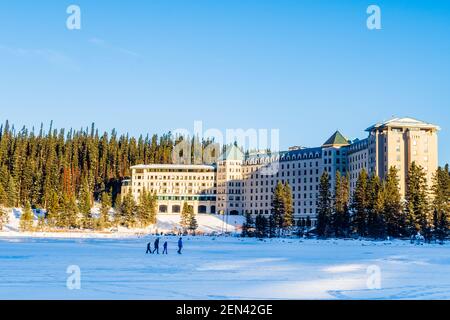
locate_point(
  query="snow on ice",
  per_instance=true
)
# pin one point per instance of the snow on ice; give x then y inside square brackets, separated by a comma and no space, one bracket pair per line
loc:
[222,268]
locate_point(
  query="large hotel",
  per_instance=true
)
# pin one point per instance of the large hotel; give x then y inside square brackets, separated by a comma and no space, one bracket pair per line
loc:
[237,183]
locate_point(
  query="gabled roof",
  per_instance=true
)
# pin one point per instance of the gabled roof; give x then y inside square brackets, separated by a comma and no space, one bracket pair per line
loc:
[232,153]
[403,122]
[336,140]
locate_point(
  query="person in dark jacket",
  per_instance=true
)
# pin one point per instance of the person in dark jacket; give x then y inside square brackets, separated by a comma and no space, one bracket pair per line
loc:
[149,248]
[180,245]
[156,246]
[165,248]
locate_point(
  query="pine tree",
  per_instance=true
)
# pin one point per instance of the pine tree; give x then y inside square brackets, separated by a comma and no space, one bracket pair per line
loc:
[41,224]
[340,218]
[278,208]
[69,213]
[184,222]
[27,218]
[260,226]
[128,211]
[394,216]
[142,209]
[376,222]
[359,205]
[85,206]
[193,225]
[3,196]
[441,202]
[288,207]
[417,203]
[3,217]
[106,204]
[324,207]
[147,209]
[11,192]
[153,205]
[53,210]
[442,225]
[248,226]
[272,226]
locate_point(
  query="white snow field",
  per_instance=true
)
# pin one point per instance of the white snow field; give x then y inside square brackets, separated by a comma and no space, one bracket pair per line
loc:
[167,223]
[223,268]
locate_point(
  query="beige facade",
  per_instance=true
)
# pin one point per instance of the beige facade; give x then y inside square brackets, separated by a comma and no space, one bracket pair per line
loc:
[176,184]
[400,142]
[239,184]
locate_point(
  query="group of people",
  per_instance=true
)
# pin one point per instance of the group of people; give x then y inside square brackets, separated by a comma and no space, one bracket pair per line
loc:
[165,247]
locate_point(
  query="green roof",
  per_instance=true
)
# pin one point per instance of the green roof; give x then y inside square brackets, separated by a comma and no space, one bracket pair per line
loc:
[336,140]
[232,153]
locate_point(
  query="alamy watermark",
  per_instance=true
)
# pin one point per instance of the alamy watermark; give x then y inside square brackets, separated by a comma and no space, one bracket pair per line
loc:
[374,277]
[74,279]
[73,21]
[374,20]
[190,148]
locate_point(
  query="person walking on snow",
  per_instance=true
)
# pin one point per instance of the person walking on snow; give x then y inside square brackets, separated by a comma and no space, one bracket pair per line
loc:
[165,248]
[180,245]
[149,248]
[156,246]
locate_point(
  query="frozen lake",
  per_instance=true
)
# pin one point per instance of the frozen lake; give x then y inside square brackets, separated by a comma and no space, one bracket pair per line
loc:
[224,268]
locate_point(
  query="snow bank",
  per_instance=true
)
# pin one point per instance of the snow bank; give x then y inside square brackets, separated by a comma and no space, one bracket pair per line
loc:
[207,224]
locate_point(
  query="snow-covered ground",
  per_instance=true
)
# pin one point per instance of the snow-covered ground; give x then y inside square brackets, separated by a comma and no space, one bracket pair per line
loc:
[224,268]
[166,223]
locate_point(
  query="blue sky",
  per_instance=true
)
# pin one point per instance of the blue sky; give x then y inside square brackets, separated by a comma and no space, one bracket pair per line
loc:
[305,67]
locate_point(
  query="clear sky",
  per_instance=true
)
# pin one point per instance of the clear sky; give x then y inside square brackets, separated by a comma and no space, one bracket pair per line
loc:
[305,67]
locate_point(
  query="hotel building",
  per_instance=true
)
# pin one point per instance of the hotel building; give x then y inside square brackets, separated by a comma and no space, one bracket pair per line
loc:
[239,183]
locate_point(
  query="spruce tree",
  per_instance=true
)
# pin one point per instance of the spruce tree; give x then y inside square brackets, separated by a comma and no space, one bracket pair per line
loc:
[41,225]
[441,202]
[11,192]
[193,225]
[345,219]
[376,222]
[288,207]
[417,203]
[128,211]
[394,216]
[85,206]
[359,205]
[442,225]
[69,214]
[272,226]
[278,208]
[143,210]
[153,205]
[3,196]
[3,211]
[261,226]
[27,218]
[106,204]
[53,210]
[184,219]
[324,207]
[248,226]
[340,218]
[3,217]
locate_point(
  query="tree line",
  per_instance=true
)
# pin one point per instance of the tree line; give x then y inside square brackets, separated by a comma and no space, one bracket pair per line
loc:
[375,209]
[64,172]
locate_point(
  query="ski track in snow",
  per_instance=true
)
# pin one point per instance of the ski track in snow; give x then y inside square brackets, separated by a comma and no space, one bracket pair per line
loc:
[222,268]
